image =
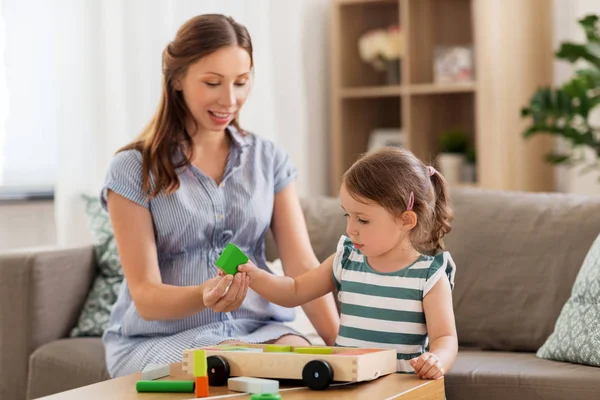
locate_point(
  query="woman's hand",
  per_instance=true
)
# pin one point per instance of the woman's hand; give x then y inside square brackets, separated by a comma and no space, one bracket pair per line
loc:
[225,293]
[427,366]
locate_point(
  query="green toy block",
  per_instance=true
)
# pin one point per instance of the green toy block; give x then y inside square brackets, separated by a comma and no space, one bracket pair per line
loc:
[231,257]
[200,367]
[165,386]
[266,396]
[313,350]
[278,348]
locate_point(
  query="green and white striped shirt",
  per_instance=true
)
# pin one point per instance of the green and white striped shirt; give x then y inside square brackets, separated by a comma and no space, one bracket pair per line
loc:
[385,310]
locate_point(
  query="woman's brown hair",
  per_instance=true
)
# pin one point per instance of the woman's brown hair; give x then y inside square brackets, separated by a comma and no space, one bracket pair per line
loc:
[389,176]
[166,132]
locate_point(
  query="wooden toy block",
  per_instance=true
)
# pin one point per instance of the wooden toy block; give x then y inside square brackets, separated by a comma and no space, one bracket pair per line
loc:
[155,371]
[356,352]
[201,389]
[253,385]
[253,349]
[199,363]
[313,350]
[278,348]
[165,386]
[229,260]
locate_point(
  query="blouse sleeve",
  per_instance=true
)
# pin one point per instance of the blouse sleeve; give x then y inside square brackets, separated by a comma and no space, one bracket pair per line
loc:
[124,177]
[284,170]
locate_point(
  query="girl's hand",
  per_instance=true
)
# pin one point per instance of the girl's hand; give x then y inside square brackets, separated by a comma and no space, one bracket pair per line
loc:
[252,270]
[427,366]
[225,293]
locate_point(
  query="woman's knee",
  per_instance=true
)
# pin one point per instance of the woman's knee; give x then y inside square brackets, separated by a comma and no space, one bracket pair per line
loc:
[292,340]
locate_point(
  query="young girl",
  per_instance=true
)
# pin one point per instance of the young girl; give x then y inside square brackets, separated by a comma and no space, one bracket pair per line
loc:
[391,293]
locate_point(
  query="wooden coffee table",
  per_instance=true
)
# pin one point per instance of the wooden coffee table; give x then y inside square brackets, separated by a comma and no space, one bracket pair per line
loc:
[394,386]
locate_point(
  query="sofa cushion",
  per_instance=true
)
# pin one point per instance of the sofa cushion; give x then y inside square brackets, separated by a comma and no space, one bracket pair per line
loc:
[65,364]
[94,316]
[576,337]
[517,256]
[325,222]
[502,375]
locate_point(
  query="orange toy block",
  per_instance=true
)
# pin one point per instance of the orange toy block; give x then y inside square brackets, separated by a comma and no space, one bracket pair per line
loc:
[201,386]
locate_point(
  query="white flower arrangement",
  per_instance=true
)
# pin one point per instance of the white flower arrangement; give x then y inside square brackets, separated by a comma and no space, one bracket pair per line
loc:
[379,46]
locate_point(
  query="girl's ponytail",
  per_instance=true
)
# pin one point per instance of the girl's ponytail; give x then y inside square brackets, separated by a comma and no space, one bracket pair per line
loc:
[443,214]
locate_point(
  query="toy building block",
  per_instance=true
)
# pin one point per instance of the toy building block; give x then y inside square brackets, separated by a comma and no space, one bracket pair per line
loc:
[253,385]
[165,386]
[200,367]
[266,396]
[155,371]
[278,348]
[201,386]
[250,349]
[313,350]
[231,257]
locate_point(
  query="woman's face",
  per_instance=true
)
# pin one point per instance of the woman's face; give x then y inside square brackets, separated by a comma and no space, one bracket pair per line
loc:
[216,87]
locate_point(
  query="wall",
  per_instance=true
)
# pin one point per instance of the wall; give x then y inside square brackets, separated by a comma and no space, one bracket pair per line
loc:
[25,224]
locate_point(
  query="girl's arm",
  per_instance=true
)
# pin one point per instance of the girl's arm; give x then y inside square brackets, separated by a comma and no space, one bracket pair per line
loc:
[291,292]
[441,329]
[297,256]
[154,300]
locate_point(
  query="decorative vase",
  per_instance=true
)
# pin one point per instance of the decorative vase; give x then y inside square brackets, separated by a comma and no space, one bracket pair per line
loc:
[451,166]
[392,72]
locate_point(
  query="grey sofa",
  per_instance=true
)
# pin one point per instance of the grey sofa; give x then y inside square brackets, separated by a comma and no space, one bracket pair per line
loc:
[517,257]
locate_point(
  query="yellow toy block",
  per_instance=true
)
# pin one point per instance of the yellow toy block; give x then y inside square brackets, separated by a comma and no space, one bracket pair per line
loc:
[278,348]
[313,350]
[200,368]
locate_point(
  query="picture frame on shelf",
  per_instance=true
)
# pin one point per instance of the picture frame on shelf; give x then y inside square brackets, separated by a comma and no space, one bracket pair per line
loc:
[453,64]
[385,137]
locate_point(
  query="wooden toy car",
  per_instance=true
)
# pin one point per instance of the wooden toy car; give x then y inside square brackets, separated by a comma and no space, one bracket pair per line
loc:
[316,366]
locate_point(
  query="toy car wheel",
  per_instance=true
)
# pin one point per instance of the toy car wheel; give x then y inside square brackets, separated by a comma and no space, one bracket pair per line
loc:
[218,370]
[317,374]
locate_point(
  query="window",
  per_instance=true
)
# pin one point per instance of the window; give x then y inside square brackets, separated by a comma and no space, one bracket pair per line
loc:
[28,153]
[3,93]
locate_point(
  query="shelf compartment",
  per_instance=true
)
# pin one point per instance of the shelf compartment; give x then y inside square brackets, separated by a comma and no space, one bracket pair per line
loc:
[432,114]
[356,18]
[372,91]
[434,23]
[359,118]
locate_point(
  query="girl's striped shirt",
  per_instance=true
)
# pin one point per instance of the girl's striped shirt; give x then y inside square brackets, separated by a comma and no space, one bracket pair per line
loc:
[386,309]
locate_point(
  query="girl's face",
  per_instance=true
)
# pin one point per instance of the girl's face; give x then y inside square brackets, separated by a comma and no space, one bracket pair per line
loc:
[216,87]
[372,229]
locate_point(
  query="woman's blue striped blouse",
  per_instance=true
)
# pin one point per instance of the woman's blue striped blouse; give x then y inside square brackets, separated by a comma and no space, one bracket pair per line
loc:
[191,227]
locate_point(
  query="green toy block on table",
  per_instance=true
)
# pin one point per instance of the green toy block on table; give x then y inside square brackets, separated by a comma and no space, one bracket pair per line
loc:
[165,386]
[266,396]
[231,257]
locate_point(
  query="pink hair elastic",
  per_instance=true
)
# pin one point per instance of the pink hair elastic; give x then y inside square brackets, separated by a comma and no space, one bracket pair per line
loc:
[411,201]
[431,170]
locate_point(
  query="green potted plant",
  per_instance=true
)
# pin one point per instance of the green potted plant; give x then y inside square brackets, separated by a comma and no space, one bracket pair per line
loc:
[451,160]
[566,111]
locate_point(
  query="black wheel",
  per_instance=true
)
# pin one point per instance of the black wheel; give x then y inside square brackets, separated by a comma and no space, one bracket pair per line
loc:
[218,370]
[317,374]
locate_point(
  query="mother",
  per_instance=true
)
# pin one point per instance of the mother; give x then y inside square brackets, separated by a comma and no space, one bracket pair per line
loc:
[190,184]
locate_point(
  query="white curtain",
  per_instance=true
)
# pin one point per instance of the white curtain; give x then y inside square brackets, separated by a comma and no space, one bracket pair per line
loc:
[108,64]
